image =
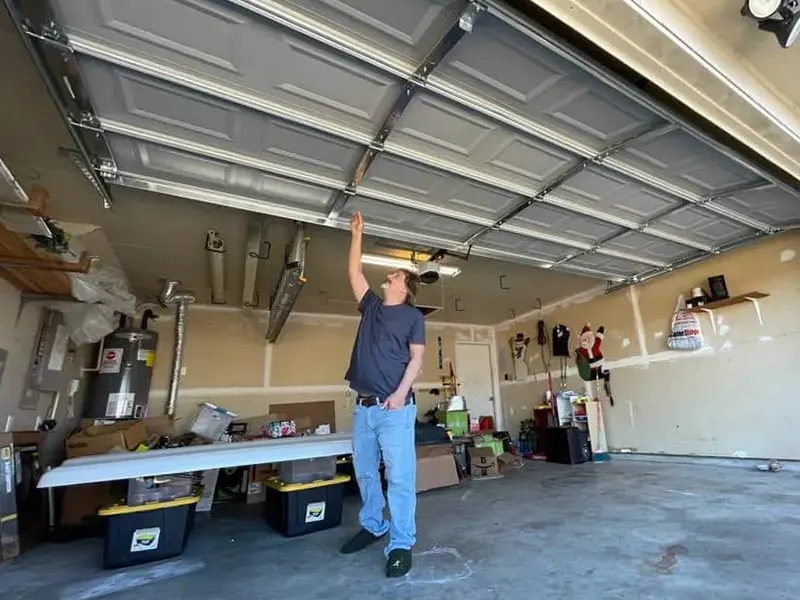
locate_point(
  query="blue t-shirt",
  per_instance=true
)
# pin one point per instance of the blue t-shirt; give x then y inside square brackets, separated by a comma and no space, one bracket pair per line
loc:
[381,351]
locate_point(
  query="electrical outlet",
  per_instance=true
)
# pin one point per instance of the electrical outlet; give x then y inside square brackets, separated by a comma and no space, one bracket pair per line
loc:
[183,371]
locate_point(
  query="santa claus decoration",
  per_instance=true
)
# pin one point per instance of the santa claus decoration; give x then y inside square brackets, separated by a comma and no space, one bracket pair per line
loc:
[590,345]
[589,358]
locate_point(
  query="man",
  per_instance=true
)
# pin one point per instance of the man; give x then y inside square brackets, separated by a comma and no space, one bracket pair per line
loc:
[386,360]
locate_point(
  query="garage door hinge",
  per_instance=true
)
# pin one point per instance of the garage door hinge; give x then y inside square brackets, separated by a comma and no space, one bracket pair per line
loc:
[106,168]
[49,34]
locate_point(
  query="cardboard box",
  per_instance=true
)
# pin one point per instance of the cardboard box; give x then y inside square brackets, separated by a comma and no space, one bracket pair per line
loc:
[436,467]
[256,475]
[483,462]
[101,439]
[80,503]
[22,507]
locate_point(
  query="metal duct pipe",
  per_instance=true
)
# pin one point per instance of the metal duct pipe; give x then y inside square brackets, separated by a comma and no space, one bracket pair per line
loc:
[181,300]
[167,294]
[290,285]
[216,249]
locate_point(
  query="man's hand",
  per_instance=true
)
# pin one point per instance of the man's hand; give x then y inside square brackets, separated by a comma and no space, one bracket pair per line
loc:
[394,401]
[356,224]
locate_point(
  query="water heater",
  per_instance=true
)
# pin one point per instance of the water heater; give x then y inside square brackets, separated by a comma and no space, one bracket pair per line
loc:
[121,385]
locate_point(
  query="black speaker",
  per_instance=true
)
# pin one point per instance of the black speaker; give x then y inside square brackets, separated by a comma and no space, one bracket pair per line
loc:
[717,288]
[568,446]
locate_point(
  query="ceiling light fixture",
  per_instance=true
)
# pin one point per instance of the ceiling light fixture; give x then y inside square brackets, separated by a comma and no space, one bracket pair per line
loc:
[391,262]
[780,17]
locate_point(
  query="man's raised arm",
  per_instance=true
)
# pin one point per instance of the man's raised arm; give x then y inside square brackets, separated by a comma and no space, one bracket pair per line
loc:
[357,280]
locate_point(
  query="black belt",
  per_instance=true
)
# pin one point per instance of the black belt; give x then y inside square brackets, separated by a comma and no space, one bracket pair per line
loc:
[367,401]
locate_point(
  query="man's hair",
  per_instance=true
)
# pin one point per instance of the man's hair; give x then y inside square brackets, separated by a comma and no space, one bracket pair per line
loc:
[412,284]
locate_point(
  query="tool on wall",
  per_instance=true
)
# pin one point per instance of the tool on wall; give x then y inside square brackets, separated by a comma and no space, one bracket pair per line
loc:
[519,349]
[560,339]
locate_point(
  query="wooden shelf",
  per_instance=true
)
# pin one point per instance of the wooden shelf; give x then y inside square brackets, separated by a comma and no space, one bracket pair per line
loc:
[733,300]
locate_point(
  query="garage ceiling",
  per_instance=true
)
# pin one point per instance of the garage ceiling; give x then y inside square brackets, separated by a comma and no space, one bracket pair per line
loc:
[454,125]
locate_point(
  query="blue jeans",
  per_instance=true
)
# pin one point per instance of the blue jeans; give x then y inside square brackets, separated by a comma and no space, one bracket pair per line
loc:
[376,432]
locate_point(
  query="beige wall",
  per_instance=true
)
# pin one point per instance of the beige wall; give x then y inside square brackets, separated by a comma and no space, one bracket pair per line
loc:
[228,362]
[738,396]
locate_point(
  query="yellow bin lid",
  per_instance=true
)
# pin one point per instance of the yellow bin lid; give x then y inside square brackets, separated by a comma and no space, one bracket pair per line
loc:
[277,484]
[124,509]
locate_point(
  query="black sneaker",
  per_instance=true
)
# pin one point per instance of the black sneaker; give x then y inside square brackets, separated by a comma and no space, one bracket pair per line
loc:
[398,563]
[359,541]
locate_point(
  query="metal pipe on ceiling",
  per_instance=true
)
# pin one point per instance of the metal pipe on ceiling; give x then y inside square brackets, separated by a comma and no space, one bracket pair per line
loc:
[290,284]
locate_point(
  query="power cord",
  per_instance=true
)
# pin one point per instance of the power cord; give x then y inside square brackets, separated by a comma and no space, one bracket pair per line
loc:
[544,344]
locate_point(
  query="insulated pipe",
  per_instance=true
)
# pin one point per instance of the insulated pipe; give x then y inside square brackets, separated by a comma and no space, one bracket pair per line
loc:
[181,300]
[181,312]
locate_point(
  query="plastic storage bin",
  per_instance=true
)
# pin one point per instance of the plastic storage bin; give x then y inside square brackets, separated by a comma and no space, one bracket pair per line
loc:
[308,470]
[212,421]
[457,421]
[142,534]
[301,508]
[144,490]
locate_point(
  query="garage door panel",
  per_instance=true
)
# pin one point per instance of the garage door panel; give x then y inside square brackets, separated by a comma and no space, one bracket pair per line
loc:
[772,205]
[151,160]
[600,189]
[405,33]
[609,265]
[234,48]
[702,226]
[436,127]
[409,220]
[649,247]
[684,160]
[557,221]
[512,243]
[435,188]
[153,105]
[500,63]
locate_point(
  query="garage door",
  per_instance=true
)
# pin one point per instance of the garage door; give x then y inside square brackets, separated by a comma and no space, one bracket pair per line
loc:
[460,126]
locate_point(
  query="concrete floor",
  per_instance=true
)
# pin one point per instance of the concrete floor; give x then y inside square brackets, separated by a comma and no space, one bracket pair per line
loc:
[622,530]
